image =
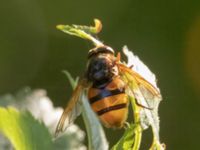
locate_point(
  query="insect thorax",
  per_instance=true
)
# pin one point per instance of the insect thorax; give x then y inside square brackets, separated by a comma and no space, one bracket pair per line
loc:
[101,67]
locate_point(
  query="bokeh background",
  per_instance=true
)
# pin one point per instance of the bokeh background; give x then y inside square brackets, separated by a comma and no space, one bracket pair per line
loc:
[164,34]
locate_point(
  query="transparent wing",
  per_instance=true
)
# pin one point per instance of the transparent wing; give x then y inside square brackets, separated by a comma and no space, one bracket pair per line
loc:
[137,82]
[73,108]
[145,94]
[142,86]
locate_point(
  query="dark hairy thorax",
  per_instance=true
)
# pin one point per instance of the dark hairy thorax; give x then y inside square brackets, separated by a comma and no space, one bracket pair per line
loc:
[101,67]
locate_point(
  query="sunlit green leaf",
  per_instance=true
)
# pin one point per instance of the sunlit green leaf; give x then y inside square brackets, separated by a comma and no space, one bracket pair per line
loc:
[24,132]
[127,140]
[84,32]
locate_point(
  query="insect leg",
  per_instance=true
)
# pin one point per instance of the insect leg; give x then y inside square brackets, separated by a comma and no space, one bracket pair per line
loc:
[131,66]
[146,107]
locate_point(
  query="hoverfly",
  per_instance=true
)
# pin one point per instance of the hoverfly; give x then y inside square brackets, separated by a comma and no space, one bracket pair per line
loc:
[108,83]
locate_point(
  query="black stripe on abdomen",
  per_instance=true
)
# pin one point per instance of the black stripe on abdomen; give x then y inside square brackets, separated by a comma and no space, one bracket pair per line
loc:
[111,108]
[105,93]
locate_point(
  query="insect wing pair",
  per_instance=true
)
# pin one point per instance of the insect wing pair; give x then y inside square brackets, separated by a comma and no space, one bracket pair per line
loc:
[133,82]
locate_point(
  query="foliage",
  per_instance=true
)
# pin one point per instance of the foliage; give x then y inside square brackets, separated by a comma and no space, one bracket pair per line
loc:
[83,31]
[35,121]
[24,131]
[127,140]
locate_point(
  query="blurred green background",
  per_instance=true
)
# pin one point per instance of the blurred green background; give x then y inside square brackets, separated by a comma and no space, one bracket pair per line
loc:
[164,34]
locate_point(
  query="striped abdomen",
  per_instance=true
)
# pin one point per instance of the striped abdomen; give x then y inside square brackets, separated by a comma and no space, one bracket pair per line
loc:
[110,103]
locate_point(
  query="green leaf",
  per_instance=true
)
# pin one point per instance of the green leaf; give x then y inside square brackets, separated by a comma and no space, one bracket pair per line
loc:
[23,131]
[144,97]
[127,140]
[72,81]
[84,32]
[69,142]
[146,117]
[96,136]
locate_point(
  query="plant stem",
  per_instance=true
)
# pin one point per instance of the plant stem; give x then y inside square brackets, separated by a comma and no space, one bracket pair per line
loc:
[138,137]
[138,130]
